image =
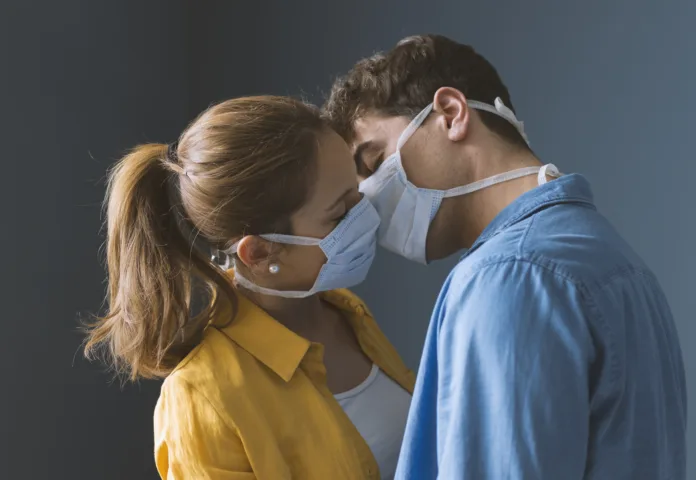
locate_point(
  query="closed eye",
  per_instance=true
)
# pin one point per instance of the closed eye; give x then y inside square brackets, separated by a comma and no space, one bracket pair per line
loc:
[339,219]
[372,165]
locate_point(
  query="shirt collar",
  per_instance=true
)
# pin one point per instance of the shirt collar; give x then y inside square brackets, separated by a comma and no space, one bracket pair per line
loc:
[273,344]
[572,188]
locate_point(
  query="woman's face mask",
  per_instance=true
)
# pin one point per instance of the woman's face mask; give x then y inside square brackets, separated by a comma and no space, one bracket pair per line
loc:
[349,249]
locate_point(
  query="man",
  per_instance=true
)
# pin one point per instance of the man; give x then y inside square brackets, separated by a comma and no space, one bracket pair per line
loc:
[552,352]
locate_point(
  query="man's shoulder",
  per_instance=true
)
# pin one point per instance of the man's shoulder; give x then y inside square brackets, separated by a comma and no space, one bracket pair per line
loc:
[571,241]
[494,284]
[505,302]
[484,273]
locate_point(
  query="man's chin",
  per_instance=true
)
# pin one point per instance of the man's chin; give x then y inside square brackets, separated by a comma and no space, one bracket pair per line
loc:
[441,250]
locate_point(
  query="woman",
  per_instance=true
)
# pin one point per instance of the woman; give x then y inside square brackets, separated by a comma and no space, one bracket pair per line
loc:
[281,374]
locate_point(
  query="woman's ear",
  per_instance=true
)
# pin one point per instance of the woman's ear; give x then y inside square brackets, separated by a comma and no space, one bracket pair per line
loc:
[451,103]
[255,253]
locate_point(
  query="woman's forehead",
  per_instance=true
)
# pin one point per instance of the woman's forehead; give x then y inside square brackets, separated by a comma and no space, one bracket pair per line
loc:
[335,170]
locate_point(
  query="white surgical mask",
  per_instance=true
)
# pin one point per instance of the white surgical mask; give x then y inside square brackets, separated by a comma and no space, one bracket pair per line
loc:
[349,249]
[406,211]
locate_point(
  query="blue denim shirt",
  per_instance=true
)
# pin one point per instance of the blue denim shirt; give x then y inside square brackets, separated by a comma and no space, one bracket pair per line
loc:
[551,354]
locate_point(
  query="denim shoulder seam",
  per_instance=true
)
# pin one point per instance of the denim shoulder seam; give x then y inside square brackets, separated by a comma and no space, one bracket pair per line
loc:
[584,291]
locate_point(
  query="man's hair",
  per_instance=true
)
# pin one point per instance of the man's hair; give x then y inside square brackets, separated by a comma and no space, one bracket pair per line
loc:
[403,81]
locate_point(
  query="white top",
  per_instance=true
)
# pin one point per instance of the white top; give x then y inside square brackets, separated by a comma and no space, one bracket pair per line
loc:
[378,408]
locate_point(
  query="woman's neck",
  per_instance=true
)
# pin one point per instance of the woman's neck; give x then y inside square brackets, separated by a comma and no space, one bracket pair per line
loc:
[301,315]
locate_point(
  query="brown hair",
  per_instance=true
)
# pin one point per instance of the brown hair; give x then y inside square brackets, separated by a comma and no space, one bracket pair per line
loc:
[243,167]
[403,81]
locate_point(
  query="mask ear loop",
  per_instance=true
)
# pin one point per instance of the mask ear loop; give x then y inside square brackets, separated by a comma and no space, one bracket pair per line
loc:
[413,126]
[503,111]
[498,108]
[547,170]
[227,256]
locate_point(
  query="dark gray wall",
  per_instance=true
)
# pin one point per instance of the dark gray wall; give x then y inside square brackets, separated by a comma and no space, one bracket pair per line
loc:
[605,89]
[80,82]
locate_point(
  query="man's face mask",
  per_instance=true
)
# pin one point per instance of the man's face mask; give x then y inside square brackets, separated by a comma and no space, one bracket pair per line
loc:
[406,210]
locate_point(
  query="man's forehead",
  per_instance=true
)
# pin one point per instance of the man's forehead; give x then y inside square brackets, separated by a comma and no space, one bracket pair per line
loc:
[372,128]
[365,129]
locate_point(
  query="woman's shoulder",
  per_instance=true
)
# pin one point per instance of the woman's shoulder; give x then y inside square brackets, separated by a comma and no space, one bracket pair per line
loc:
[199,400]
[213,369]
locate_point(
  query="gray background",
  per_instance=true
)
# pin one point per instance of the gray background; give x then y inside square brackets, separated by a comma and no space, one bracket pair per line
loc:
[606,88]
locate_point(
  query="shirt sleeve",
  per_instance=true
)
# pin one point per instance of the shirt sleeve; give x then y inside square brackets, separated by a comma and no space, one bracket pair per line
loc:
[513,396]
[192,440]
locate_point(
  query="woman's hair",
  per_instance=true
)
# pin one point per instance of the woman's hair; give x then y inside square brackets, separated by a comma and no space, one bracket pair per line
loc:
[243,167]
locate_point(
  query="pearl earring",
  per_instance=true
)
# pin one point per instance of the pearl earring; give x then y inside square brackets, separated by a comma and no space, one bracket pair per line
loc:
[273,268]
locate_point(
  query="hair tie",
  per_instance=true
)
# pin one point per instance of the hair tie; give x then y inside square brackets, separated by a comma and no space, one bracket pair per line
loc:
[173,159]
[172,152]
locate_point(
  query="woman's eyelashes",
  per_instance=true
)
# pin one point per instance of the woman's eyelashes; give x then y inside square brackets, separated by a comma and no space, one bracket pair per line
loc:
[341,217]
[350,201]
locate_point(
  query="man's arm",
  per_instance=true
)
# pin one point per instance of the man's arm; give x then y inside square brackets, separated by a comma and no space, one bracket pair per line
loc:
[513,395]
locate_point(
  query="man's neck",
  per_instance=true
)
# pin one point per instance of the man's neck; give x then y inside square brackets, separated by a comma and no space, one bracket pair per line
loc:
[467,216]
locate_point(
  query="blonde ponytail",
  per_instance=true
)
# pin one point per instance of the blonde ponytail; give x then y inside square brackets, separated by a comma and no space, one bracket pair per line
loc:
[243,167]
[148,328]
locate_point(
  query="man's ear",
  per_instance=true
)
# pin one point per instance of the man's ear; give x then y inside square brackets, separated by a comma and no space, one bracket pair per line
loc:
[255,253]
[451,104]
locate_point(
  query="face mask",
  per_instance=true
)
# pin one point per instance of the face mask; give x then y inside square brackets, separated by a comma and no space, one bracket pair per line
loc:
[349,249]
[406,211]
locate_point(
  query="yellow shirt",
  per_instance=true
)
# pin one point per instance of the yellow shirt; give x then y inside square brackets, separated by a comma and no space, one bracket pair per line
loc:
[251,402]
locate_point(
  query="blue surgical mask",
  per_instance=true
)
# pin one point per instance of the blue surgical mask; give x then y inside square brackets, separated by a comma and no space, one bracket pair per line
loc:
[406,211]
[349,249]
